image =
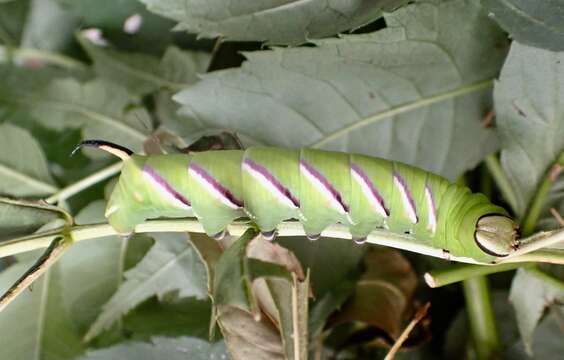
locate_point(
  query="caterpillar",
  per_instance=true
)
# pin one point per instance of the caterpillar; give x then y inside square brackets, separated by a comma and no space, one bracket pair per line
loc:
[318,188]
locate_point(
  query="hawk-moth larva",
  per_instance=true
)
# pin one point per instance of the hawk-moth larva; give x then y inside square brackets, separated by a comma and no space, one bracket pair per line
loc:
[318,188]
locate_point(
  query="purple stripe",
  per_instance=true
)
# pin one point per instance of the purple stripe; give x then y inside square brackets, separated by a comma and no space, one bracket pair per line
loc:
[165,185]
[268,176]
[371,186]
[336,195]
[408,193]
[216,185]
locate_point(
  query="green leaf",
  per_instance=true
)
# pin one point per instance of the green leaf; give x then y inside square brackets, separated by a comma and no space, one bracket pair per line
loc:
[531,294]
[339,94]
[20,217]
[23,167]
[535,23]
[547,340]
[49,321]
[172,264]
[141,73]
[183,66]
[326,305]
[103,110]
[154,34]
[180,348]
[528,103]
[36,325]
[12,21]
[235,272]
[99,263]
[184,317]
[330,261]
[49,26]
[277,21]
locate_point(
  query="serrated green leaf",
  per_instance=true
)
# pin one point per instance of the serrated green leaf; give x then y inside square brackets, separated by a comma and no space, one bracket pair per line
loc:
[35,325]
[172,264]
[142,73]
[337,95]
[20,217]
[535,23]
[276,21]
[23,167]
[161,348]
[528,103]
[531,294]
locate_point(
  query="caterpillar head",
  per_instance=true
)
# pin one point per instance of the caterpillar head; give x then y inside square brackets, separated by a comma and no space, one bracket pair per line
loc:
[496,235]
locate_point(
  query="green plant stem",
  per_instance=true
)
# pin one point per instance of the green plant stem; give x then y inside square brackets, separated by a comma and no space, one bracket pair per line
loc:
[536,206]
[468,89]
[88,181]
[288,228]
[456,273]
[481,317]
[501,180]
[23,54]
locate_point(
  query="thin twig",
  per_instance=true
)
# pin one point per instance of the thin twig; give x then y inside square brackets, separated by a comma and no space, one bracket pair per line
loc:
[421,313]
[47,259]
[537,202]
[82,184]
[502,181]
[557,216]
[487,120]
[27,54]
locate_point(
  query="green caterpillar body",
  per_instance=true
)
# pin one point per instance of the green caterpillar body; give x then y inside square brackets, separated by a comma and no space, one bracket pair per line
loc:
[318,188]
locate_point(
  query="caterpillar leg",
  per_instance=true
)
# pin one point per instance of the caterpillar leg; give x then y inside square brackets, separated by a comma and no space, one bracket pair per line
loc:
[360,240]
[269,235]
[446,255]
[313,237]
[220,235]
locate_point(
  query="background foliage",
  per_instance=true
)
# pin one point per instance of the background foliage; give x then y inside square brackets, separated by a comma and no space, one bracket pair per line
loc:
[409,82]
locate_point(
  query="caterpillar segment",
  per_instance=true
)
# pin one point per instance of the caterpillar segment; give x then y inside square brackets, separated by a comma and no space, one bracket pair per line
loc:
[318,188]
